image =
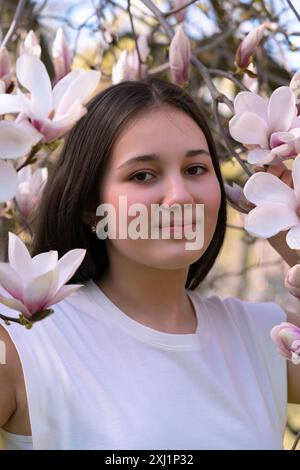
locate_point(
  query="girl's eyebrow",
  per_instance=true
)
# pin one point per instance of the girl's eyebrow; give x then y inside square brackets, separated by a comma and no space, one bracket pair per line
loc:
[155,157]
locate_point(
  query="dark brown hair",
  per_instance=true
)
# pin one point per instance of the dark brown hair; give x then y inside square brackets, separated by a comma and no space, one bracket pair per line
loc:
[73,187]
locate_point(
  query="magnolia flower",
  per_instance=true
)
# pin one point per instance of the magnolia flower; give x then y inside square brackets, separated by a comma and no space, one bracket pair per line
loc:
[31,285]
[5,70]
[31,45]
[128,66]
[286,336]
[50,112]
[30,188]
[277,206]
[295,88]
[270,127]
[179,57]
[62,57]
[248,45]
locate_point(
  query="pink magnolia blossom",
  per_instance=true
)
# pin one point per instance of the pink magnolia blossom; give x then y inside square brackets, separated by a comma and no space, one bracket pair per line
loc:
[248,46]
[30,188]
[50,112]
[31,285]
[31,45]
[5,70]
[128,66]
[271,127]
[277,206]
[179,57]
[286,336]
[61,54]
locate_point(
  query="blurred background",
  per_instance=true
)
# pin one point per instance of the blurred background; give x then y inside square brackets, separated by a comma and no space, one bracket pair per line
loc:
[97,31]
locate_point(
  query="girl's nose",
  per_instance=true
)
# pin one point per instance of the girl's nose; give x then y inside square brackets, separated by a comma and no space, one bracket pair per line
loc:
[176,191]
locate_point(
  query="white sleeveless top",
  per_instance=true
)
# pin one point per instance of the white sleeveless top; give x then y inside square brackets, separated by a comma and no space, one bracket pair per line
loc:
[97,379]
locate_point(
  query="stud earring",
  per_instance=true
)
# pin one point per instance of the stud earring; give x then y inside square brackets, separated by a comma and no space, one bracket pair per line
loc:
[94,227]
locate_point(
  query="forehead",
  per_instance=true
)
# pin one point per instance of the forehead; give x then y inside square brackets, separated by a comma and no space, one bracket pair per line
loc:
[154,130]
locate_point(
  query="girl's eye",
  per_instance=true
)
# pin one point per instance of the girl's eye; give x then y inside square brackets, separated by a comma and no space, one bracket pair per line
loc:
[193,170]
[140,176]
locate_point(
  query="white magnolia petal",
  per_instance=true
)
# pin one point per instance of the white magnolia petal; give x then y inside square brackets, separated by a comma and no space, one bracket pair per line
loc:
[293,237]
[263,188]
[54,129]
[44,262]
[62,293]
[68,264]
[249,128]
[259,156]
[16,304]
[32,74]
[19,258]
[37,292]
[251,102]
[8,181]
[14,141]
[79,89]
[62,86]
[10,104]
[296,178]
[281,110]
[269,219]
[11,281]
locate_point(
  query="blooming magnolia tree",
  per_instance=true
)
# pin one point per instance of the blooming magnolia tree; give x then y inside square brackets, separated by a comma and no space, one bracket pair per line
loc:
[256,122]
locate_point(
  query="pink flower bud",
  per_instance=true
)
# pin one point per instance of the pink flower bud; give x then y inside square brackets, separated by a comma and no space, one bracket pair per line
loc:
[286,336]
[62,57]
[248,45]
[179,57]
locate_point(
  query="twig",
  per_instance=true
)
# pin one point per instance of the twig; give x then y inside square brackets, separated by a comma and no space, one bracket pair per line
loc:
[8,319]
[293,9]
[294,446]
[14,23]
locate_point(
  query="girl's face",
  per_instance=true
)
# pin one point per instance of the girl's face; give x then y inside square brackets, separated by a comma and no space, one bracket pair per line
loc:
[168,176]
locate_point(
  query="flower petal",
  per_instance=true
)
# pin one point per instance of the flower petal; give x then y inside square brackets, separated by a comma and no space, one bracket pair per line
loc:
[264,188]
[249,128]
[259,156]
[32,74]
[79,89]
[62,293]
[37,291]
[293,237]
[269,219]
[15,142]
[15,304]
[246,101]
[11,281]
[10,104]
[8,181]
[68,264]
[281,110]
[44,262]
[19,258]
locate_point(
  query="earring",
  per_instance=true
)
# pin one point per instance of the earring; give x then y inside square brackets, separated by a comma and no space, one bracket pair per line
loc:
[94,227]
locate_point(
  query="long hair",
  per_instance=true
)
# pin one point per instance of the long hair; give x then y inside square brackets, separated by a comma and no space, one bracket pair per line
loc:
[73,186]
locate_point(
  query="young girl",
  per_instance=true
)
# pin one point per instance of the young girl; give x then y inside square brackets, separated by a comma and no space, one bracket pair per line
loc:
[136,358]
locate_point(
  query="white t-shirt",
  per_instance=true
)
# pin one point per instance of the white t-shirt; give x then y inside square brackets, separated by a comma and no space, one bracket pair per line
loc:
[97,379]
